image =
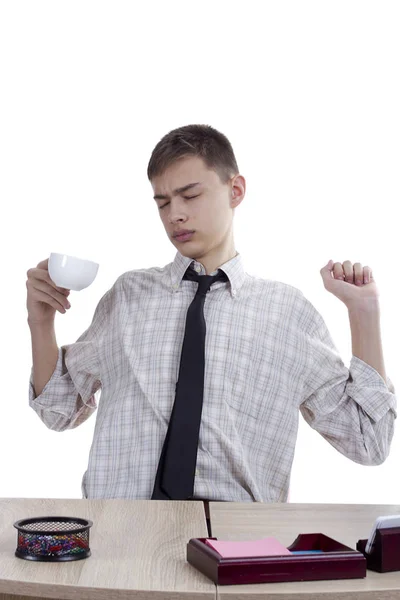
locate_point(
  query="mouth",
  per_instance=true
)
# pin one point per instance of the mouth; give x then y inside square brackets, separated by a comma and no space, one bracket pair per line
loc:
[185,237]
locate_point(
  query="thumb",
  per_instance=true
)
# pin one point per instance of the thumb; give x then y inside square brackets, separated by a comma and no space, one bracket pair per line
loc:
[327,270]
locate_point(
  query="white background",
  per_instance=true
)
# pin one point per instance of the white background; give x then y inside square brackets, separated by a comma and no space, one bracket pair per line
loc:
[308,94]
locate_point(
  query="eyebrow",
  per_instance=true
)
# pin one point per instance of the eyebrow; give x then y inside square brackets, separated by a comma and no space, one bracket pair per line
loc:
[177,191]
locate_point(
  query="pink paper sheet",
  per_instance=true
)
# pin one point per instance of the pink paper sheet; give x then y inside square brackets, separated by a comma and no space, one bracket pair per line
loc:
[265,547]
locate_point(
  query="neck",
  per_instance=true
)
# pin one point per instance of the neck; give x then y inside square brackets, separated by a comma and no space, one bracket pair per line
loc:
[216,258]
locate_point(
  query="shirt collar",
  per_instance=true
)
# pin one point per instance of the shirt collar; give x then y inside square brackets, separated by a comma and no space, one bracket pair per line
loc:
[233,269]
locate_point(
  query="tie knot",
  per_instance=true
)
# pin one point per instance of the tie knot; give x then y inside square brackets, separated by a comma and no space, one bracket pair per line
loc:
[204,281]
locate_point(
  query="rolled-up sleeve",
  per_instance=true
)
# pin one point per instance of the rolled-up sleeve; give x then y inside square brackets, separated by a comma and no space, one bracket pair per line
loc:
[352,408]
[68,398]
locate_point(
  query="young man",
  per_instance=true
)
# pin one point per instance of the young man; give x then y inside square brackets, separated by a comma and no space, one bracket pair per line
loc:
[268,353]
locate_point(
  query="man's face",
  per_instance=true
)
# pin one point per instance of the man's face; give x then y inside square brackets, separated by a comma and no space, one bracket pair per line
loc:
[205,209]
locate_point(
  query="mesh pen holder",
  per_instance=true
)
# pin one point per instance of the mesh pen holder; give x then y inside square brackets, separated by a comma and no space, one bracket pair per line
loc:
[53,539]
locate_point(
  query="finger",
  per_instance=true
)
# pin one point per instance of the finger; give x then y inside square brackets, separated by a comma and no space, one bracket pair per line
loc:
[358,274]
[348,271]
[44,287]
[43,297]
[367,274]
[338,270]
[44,264]
[43,274]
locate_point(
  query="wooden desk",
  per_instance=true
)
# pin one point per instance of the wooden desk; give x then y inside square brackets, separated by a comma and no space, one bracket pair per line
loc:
[138,551]
[346,523]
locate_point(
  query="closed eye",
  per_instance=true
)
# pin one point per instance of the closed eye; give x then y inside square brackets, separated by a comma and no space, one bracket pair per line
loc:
[186,198]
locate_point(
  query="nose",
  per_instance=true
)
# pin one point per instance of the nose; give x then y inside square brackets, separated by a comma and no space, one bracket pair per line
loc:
[176,214]
[177,219]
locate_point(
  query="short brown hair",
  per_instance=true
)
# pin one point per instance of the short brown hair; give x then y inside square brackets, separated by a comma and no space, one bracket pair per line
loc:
[194,140]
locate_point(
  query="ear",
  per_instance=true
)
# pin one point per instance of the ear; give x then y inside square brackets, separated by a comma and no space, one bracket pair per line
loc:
[238,190]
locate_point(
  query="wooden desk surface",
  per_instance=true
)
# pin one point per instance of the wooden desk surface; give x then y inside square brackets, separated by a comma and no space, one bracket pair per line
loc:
[346,523]
[138,551]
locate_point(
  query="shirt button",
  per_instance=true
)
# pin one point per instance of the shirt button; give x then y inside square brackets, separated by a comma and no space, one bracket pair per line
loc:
[176,286]
[197,472]
[233,292]
[198,269]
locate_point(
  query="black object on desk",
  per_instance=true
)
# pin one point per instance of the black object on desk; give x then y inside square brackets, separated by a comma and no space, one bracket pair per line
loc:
[385,554]
[53,539]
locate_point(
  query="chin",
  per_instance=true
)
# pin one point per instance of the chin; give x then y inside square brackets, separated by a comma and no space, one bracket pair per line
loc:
[188,250]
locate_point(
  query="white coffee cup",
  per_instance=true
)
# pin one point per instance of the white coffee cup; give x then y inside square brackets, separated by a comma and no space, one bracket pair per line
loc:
[71,272]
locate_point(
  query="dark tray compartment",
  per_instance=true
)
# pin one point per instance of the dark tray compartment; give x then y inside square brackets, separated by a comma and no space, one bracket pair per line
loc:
[337,562]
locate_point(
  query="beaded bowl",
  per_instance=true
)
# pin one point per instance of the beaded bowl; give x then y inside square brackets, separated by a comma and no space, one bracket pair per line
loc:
[53,539]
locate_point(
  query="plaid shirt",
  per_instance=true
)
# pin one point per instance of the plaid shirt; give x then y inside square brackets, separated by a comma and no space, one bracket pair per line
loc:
[268,357]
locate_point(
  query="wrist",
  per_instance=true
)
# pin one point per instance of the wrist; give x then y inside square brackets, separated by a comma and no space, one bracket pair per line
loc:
[40,325]
[367,306]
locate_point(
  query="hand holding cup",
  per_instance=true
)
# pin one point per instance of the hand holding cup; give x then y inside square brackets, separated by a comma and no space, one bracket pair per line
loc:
[50,283]
[44,297]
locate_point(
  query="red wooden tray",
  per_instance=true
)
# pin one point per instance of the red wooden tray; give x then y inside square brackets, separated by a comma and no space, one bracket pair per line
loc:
[337,562]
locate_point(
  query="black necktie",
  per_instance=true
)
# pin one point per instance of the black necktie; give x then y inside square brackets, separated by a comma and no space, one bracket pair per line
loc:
[177,464]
